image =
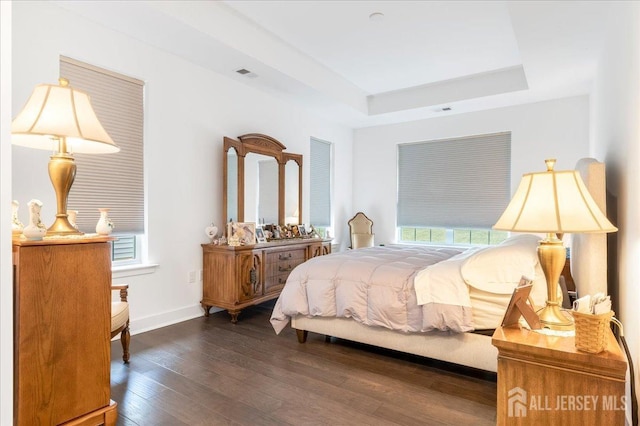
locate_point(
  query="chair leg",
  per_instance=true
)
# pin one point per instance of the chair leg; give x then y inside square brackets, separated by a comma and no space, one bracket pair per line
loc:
[125,337]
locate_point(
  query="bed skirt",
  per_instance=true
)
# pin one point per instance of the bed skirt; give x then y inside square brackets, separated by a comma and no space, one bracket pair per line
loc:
[468,349]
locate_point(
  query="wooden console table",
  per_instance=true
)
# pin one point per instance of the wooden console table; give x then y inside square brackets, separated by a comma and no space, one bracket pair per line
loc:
[545,380]
[62,323]
[235,277]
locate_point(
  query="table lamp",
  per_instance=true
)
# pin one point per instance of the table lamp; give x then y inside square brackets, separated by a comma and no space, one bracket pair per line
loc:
[61,118]
[553,202]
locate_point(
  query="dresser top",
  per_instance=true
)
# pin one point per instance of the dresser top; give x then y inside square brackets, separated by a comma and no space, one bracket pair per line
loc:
[273,244]
[69,239]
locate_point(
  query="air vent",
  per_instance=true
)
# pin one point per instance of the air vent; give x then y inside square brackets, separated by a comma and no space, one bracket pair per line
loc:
[243,71]
[446,108]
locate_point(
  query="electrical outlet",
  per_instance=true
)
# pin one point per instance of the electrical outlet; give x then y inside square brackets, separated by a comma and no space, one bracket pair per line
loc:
[200,275]
[192,277]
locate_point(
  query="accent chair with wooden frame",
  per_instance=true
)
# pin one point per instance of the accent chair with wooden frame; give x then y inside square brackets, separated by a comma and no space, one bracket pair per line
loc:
[120,319]
[361,231]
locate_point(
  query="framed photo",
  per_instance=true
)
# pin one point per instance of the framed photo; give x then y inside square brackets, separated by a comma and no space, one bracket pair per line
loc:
[245,232]
[260,235]
[302,230]
[518,307]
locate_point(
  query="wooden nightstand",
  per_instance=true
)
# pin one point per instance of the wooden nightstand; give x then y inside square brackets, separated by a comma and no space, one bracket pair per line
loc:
[546,380]
[62,339]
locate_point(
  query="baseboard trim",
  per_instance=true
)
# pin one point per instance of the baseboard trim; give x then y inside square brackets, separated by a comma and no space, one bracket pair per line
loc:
[164,319]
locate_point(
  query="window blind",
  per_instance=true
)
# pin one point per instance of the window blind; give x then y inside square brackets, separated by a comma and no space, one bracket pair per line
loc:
[320,195]
[114,181]
[458,182]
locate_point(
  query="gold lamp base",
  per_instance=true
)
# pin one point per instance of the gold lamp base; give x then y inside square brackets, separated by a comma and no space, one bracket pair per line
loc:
[553,318]
[552,255]
[62,172]
[62,226]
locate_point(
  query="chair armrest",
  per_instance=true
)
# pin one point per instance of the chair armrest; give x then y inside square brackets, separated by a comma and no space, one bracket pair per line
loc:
[123,291]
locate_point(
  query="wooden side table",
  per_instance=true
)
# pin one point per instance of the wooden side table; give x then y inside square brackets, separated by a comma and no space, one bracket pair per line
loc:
[62,339]
[545,380]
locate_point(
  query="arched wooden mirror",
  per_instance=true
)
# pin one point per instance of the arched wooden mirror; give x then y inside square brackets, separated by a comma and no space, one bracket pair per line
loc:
[263,184]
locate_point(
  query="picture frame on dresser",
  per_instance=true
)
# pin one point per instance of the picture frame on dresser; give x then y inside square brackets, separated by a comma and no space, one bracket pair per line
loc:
[244,231]
[260,237]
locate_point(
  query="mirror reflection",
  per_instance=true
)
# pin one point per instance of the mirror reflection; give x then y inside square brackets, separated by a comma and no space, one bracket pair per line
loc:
[262,182]
[291,189]
[232,184]
[261,189]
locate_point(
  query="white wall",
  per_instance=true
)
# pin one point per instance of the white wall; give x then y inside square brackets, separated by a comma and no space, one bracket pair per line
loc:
[616,137]
[188,110]
[553,129]
[6,267]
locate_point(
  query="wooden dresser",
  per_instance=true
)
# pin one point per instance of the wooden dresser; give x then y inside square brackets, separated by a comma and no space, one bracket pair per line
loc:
[237,277]
[62,323]
[545,380]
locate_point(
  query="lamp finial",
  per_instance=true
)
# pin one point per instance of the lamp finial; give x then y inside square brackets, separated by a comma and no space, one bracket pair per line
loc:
[63,82]
[550,162]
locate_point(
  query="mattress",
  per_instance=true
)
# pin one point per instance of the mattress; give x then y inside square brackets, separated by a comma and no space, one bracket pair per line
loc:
[413,289]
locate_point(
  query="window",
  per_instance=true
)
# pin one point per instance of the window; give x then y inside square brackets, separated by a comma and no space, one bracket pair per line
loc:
[320,196]
[452,191]
[115,180]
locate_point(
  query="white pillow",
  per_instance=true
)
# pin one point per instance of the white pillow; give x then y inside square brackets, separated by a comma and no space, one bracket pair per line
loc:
[498,269]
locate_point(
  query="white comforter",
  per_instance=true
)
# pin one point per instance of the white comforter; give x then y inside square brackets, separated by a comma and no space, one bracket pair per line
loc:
[375,286]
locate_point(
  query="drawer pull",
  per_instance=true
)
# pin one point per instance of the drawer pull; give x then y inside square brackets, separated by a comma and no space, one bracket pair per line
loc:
[284,256]
[282,280]
[287,269]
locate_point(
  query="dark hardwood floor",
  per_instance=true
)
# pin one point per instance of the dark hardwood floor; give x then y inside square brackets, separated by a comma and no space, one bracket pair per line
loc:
[207,371]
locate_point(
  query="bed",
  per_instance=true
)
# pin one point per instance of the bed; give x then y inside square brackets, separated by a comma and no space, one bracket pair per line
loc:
[444,302]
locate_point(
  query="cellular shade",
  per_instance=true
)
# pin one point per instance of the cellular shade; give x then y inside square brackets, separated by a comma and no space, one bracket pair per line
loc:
[453,183]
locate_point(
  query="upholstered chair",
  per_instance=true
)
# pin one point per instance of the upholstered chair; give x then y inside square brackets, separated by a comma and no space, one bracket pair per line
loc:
[120,319]
[361,230]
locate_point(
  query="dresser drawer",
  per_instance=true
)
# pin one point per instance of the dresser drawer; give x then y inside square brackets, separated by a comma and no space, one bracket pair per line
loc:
[278,266]
[285,256]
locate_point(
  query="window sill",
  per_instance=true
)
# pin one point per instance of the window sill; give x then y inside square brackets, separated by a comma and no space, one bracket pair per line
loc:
[124,271]
[437,245]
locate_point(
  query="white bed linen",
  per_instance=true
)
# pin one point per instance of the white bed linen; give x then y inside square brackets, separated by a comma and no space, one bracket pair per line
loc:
[373,286]
[484,279]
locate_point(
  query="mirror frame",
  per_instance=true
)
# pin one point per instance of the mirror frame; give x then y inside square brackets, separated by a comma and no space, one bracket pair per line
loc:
[266,145]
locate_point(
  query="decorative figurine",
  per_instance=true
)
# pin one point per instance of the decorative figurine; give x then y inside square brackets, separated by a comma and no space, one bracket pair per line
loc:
[16,225]
[35,230]
[211,231]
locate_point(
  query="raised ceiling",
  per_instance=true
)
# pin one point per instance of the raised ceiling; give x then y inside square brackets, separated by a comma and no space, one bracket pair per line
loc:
[420,58]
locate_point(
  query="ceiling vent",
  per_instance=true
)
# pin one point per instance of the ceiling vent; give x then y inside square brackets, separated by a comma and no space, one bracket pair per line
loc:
[247,73]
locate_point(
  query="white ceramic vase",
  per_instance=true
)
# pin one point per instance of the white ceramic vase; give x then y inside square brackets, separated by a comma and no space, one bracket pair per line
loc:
[72,215]
[35,230]
[16,225]
[104,225]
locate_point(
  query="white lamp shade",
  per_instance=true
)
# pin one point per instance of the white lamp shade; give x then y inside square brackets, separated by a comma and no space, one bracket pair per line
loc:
[60,112]
[553,202]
